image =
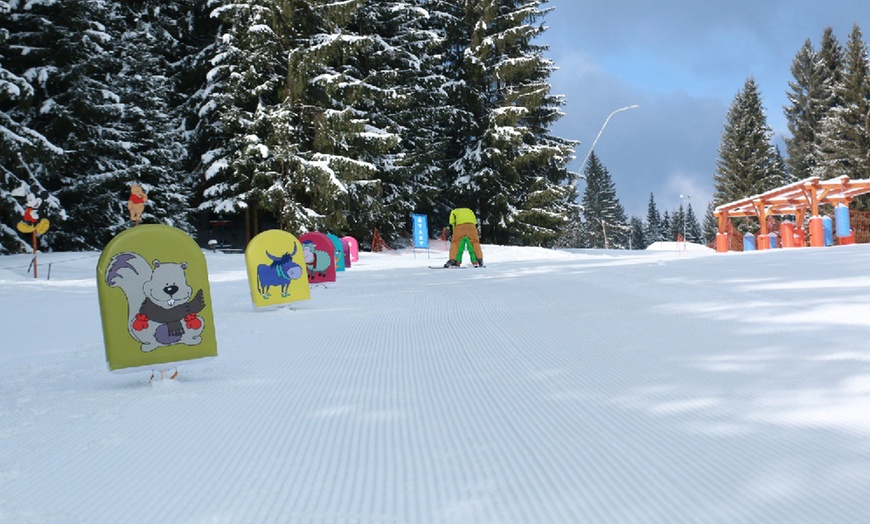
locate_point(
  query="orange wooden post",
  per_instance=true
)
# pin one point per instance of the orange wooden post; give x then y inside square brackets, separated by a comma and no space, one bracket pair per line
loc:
[761,211]
[786,230]
[721,242]
[817,233]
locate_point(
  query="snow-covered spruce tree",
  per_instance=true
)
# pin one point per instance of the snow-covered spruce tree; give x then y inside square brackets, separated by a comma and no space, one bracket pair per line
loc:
[808,100]
[436,115]
[24,153]
[830,60]
[510,169]
[573,234]
[239,101]
[323,165]
[684,224]
[106,100]
[637,234]
[710,227]
[604,218]
[75,106]
[456,106]
[693,228]
[780,166]
[153,45]
[653,230]
[678,222]
[430,107]
[748,162]
[846,127]
[399,95]
[666,224]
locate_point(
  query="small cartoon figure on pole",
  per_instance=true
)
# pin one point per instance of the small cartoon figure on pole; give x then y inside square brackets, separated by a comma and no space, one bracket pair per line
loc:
[136,203]
[31,222]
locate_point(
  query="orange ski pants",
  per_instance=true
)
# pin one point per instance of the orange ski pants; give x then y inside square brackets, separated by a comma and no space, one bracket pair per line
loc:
[465,230]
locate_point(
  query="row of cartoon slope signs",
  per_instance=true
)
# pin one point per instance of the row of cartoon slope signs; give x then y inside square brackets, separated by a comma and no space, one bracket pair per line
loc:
[281,267]
[155,303]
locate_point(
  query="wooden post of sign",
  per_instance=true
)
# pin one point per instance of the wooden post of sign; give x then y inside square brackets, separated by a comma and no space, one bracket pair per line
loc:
[34,253]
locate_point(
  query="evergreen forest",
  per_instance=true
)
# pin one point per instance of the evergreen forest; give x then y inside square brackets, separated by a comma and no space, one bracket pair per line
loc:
[306,115]
[346,117]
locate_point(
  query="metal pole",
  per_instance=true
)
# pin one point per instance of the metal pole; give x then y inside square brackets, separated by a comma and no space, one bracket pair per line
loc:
[685,211]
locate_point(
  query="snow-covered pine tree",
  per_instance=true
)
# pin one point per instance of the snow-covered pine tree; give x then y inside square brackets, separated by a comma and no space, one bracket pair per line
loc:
[398,97]
[653,231]
[573,236]
[637,234]
[678,225]
[77,107]
[427,40]
[780,166]
[456,107]
[710,227]
[239,100]
[436,116]
[107,99]
[154,43]
[665,227]
[807,97]
[684,224]
[328,172]
[830,59]
[693,228]
[25,154]
[846,127]
[604,217]
[510,168]
[748,162]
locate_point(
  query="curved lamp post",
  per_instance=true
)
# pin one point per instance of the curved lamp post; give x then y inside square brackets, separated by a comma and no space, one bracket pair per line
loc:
[583,165]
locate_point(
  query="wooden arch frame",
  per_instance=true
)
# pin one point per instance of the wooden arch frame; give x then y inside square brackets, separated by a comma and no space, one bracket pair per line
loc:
[792,199]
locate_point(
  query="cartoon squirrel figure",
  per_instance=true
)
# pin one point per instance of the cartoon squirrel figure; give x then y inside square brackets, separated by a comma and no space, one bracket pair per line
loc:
[136,203]
[161,307]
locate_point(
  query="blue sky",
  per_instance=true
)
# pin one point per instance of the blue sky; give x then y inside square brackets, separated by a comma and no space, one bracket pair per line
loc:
[682,62]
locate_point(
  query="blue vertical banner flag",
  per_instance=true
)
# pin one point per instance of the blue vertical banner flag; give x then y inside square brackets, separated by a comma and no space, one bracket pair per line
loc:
[421,231]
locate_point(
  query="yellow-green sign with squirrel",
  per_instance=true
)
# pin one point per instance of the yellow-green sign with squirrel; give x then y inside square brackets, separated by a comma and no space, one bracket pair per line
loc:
[155,302]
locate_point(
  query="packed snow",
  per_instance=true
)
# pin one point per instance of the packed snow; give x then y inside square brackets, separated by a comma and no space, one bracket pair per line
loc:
[670,385]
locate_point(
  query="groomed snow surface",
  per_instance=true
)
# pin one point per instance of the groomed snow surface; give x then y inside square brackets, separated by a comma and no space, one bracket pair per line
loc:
[549,387]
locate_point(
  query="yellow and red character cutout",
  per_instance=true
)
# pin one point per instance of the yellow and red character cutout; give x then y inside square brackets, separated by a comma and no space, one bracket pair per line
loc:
[31,221]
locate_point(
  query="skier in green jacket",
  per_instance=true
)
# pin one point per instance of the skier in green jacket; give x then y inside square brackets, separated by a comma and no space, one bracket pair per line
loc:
[464,224]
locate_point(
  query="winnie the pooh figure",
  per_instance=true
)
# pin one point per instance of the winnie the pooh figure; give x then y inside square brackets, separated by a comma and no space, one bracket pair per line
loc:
[136,203]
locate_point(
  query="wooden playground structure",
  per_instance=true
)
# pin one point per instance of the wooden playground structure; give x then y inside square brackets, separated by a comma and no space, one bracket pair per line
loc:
[794,199]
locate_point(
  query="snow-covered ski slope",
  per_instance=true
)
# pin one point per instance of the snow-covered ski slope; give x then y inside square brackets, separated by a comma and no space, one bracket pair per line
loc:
[552,387]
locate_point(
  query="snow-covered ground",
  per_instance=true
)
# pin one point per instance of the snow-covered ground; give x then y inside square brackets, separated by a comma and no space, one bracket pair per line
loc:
[550,387]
